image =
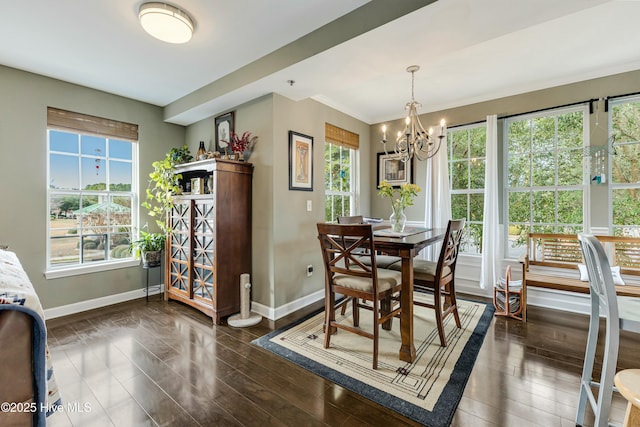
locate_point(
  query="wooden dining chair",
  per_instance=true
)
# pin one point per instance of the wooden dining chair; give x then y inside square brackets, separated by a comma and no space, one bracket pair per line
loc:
[383,261]
[437,278]
[620,313]
[346,274]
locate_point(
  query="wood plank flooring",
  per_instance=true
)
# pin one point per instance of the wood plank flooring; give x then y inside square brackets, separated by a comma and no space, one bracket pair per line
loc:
[162,363]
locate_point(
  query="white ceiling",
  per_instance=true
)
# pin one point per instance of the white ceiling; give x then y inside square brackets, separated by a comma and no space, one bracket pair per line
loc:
[469,51]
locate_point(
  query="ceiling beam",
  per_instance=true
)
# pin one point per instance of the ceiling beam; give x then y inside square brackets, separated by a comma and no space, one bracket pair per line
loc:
[190,108]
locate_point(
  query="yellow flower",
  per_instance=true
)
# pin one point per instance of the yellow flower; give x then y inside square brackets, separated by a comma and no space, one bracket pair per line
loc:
[405,196]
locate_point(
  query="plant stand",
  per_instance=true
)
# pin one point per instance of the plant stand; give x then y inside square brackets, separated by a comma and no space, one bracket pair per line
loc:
[147,268]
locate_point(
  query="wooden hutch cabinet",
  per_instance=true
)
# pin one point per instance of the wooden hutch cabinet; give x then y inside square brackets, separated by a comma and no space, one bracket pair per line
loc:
[210,243]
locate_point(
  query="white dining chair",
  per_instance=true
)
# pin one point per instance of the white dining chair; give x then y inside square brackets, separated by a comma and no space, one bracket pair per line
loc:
[620,313]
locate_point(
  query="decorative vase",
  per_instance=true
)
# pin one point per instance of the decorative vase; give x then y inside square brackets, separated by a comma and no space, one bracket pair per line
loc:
[397,219]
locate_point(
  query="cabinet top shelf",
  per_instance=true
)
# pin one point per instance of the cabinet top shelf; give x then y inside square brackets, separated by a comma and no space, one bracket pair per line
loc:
[207,165]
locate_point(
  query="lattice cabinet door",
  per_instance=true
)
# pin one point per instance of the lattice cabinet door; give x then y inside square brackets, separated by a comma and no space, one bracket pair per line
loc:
[204,255]
[210,246]
[179,249]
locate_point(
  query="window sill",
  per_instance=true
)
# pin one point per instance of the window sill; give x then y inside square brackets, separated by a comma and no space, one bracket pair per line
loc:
[91,268]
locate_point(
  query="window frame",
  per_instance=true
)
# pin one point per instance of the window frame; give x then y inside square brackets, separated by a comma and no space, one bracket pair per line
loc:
[53,271]
[468,191]
[610,160]
[354,183]
[582,186]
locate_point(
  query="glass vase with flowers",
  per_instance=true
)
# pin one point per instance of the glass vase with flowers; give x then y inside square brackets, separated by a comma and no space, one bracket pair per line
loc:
[400,199]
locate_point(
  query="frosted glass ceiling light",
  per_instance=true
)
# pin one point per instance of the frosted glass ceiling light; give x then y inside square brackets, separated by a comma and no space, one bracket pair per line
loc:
[166,22]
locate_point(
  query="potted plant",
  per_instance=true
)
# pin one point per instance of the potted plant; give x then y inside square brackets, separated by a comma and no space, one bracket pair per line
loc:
[163,184]
[149,247]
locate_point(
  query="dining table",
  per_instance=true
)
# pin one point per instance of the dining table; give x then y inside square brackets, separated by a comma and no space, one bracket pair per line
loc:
[406,245]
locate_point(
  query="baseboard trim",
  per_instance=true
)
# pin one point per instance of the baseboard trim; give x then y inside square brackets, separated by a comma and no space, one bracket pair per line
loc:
[286,309]
[547,298]
[78,307]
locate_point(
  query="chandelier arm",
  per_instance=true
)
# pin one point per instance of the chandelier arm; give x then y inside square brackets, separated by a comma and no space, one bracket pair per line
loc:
[415,140]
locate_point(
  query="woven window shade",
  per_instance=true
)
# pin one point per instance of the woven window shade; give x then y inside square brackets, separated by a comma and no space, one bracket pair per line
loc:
[84,123]
[336,135]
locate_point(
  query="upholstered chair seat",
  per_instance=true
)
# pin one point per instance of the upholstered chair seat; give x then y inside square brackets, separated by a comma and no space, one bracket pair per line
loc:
[387,279]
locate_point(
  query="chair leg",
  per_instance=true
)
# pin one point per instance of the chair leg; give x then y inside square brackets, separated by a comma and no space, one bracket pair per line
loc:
[609,361]
[587,369]
[376,317]
[344,307]
[437,302]
[330,316]
[385,308]
[454,303]
[355,312]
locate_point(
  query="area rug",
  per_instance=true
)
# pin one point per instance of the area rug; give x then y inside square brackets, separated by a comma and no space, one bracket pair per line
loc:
[427,390]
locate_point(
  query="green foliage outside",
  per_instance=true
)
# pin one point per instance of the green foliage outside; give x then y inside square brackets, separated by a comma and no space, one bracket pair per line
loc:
[625,168]
[467,159]
[337,178]
[545,175]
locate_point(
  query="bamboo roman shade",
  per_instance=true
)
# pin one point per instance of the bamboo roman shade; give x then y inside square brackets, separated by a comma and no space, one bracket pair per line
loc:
[339,136]
[84,123]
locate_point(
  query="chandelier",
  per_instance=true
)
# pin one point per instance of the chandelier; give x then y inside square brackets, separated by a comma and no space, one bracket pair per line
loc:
[415,141]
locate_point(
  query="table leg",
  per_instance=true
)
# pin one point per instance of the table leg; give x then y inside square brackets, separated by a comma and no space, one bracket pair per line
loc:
[407,350]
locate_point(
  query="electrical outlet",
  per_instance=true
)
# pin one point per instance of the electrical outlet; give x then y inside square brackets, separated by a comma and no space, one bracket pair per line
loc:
[309,270]
[309,205]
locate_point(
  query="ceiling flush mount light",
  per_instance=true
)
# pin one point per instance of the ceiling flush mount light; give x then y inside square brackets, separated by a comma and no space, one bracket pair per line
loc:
[166,22]
[415,141]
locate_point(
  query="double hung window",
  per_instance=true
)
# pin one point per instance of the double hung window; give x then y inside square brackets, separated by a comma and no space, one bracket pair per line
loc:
[340,172]
[91,192]
[545,189]
[467,159]
[625,166]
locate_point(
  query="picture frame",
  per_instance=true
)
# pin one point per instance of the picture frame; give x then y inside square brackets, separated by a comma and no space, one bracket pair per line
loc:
[300,161]
[223,127]
[393,170]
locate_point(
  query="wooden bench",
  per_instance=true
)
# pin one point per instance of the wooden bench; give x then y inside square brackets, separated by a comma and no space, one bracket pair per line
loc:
[563,251]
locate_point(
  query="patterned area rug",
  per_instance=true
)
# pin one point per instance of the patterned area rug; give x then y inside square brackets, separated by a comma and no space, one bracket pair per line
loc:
[427,391]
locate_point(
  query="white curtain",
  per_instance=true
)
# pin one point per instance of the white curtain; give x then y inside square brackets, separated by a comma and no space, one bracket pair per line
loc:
[490,227]
[438,196]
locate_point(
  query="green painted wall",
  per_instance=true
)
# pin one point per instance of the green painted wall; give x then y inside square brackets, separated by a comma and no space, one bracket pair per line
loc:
[23,169]
[284,233]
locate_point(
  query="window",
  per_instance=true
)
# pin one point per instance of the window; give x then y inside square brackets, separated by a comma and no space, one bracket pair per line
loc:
[92,200]
[467,158]
[340,171]
[625,172]
[545,190]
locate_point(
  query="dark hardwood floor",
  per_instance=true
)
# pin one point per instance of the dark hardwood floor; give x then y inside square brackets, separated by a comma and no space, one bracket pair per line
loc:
[157,363]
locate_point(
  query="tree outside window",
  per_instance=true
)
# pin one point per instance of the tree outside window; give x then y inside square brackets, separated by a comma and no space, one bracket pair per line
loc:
[545,175]
[340,190]
[467,159]
[625,166]
[91,198]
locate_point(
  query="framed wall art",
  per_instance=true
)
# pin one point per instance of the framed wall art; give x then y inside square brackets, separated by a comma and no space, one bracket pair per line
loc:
[300,161]
[393,170]
[223,128]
